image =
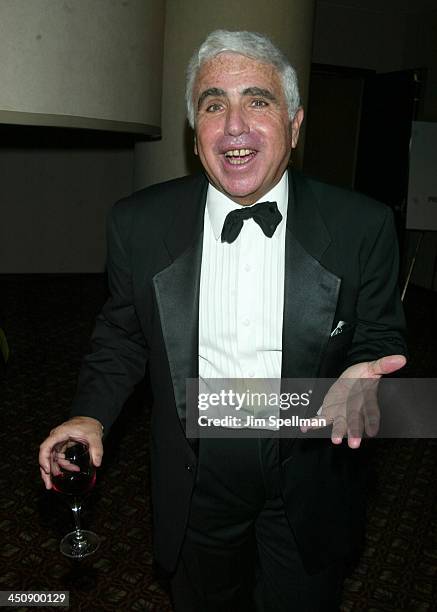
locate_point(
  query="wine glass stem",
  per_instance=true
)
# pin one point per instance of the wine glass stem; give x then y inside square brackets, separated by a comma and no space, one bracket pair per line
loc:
[75,508]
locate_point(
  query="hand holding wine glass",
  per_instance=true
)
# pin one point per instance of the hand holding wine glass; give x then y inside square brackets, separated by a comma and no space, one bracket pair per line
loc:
[81,427]
[73,474]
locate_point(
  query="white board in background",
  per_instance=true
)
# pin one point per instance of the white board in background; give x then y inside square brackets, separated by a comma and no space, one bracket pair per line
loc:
[422,183]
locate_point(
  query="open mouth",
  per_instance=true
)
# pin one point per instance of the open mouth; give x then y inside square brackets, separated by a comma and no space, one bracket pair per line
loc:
[238,157]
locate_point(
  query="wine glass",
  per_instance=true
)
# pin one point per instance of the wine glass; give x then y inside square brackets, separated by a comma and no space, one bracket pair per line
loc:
[74,475]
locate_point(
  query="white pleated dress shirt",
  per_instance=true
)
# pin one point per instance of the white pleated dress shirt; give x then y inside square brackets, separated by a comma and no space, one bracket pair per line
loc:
[242,293]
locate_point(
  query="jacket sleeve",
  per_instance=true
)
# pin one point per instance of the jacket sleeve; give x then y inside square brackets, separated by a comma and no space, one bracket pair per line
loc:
[118,356]
[380,328]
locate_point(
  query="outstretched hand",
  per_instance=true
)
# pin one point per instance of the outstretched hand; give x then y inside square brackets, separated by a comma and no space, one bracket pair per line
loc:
[351,404]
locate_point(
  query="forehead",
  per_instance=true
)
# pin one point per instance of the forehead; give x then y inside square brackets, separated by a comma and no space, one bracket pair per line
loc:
[230,70]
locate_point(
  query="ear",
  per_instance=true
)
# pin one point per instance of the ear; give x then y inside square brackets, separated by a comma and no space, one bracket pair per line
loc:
[295,127]
[195,145]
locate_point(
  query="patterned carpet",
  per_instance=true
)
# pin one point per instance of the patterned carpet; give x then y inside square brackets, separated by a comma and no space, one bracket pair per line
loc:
[48,320]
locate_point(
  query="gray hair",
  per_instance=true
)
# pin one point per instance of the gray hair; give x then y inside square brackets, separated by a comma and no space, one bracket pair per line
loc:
[251,44]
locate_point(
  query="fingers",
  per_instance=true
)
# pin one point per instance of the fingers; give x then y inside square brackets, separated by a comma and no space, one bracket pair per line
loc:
[46,447]
[371,412]
[351,404]
[67,465]
[344,407]
[96,453]
[339,429]
[387,365]
[96,449]
[82,428]
[46,479]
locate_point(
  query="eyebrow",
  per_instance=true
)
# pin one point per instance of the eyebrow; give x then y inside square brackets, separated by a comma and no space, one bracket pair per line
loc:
[249,91]
[212,91]
[258,91]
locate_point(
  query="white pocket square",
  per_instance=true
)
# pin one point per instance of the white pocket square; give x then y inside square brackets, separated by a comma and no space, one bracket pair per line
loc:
[338,329]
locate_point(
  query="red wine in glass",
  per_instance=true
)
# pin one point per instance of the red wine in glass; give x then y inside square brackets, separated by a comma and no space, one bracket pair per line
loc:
[74,475]
[74,483]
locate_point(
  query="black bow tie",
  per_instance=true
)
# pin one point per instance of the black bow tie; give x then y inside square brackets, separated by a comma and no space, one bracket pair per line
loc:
[266,214]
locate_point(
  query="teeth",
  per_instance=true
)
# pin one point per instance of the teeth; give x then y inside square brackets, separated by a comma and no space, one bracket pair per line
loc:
[238,152]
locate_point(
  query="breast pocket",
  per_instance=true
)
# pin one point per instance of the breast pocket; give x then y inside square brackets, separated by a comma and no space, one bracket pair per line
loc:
[342,334]
[337,349]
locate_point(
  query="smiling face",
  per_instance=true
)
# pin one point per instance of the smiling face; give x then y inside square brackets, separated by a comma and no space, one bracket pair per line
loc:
[244,135]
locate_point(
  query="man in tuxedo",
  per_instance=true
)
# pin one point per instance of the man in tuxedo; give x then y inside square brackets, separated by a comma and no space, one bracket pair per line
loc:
[246,271]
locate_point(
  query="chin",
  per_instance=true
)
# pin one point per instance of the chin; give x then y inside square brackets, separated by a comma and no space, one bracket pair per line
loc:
[240,191]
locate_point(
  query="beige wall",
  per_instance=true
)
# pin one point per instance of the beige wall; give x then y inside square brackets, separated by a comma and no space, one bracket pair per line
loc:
[99,59]
[288,22]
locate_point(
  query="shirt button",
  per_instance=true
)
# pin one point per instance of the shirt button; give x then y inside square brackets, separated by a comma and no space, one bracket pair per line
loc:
[251,374]
[247,267]
[246,322]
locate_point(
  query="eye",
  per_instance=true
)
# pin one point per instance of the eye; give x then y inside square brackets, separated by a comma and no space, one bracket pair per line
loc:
[213,108]
[259,103]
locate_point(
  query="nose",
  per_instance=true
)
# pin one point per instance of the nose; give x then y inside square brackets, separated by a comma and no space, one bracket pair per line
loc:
[236,122]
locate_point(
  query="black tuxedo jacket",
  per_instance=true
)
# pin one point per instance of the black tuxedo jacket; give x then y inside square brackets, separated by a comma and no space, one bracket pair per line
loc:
[341,264]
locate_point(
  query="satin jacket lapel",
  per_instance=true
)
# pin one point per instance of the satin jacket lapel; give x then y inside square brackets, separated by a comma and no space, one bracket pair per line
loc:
[177,293]
[311,291]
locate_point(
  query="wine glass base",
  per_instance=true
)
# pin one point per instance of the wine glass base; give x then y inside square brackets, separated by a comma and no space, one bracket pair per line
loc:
[79,544]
